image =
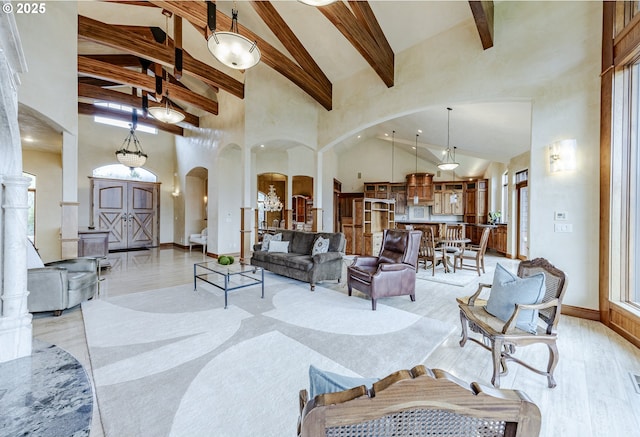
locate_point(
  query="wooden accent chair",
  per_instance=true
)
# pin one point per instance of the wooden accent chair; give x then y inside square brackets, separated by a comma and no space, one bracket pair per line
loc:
[419,402]
[392,272]
[428,251]
[502,338]
[475,253]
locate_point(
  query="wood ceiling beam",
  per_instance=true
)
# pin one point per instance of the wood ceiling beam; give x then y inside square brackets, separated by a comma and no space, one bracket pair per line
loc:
[196,14]
[104,95]
[103,70]
[364,14]
[283,32]
[89,109]
[121,60]
[483,16]
[98,82]
[131,42]
[358,33]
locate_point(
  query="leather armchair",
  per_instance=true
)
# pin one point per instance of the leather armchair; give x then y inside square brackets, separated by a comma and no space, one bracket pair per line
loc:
[392,272]
[59,285]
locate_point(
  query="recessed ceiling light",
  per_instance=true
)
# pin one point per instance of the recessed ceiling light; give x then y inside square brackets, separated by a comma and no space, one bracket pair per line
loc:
[413,147]
[262,145]
[419,131]
[359,136]
[28,139]
[386,134]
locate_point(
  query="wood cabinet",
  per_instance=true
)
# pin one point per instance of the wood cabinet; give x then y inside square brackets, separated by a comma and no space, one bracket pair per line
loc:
[301,208]
[370,217]
[448,198]
[93,242]
[421,185]
[498,239]
[376,190]
[128,210]
[475,195]
[398,192]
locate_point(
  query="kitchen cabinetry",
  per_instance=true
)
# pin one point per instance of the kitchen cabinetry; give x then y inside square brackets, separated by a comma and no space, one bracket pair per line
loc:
[370,218]
[475,194]
[398,192]
[448,198]
[421,185]
[498,239]
[376,190]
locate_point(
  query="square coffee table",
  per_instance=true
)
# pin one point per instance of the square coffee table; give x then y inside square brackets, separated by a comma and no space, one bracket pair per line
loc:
[228,278]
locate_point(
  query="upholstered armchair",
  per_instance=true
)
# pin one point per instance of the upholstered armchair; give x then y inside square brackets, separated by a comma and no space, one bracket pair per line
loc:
[59,285]
[200,238]
[392,272]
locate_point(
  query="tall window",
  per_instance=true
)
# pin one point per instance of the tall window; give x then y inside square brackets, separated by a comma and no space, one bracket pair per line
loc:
[632,207]
[31,201]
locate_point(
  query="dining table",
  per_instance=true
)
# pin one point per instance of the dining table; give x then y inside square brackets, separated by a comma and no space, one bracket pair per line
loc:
[443,243]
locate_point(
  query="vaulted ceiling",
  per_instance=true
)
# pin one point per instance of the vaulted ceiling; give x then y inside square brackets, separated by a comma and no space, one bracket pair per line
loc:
[125,57]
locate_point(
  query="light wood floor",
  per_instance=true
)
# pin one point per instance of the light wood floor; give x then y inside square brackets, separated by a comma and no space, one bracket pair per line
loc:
[594,396]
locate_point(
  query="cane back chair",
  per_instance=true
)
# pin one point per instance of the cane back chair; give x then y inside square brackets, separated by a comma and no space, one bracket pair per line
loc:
[419,402]
[502,338]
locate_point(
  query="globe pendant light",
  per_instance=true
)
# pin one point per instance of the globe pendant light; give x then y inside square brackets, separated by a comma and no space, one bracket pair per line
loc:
[449,162]
[131,157]
[166,113]
[233,49]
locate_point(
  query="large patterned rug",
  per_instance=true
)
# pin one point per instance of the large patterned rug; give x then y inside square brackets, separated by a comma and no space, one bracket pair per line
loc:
[173,362]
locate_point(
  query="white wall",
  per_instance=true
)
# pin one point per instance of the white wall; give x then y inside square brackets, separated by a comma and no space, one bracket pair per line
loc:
[50,42]
[47,168]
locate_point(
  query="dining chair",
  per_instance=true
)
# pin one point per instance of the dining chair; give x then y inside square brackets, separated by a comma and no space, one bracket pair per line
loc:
[429,252]
[474,252]
[449,247]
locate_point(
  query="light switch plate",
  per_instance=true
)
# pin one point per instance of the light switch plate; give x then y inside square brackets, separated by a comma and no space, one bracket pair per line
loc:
[563,227]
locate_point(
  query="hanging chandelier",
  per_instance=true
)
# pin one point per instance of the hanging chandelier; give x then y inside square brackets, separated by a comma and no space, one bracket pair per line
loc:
[449,162]
[166,113]
[231,48]
[272,203]
[134,156]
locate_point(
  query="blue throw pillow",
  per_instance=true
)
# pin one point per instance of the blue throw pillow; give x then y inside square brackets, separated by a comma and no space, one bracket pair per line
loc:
[321,382]
[508,290]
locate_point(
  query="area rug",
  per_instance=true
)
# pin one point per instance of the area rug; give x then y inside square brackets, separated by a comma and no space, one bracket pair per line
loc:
[461,278]
[173,362]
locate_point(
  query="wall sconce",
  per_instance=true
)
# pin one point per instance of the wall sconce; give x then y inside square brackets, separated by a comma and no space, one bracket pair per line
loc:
[175,193]
[205,200]
[562,155]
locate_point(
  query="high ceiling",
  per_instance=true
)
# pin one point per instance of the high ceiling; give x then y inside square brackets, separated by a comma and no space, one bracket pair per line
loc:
[311,47]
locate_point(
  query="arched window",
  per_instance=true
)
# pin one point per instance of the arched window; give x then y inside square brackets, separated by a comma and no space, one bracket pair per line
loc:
[119,171]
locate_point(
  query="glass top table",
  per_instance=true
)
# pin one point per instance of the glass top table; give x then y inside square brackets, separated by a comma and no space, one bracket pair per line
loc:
[229,277]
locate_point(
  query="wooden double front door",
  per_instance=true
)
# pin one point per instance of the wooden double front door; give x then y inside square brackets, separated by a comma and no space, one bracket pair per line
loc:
[129,210]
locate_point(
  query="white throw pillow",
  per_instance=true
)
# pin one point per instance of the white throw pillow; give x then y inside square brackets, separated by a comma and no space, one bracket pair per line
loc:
[321,245]
[279,246]
[268,238]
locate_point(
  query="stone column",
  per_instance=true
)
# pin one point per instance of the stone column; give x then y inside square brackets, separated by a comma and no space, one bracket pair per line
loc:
[15,324]
[15,321]
[69,204]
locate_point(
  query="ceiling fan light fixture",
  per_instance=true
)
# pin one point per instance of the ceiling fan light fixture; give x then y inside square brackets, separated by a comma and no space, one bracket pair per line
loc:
[232,49]
[449,162]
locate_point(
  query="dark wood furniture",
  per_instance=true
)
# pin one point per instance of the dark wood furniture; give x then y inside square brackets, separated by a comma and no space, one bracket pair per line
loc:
[501,338]
[428,251]
[475,194]
[392,272]
[419,402]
